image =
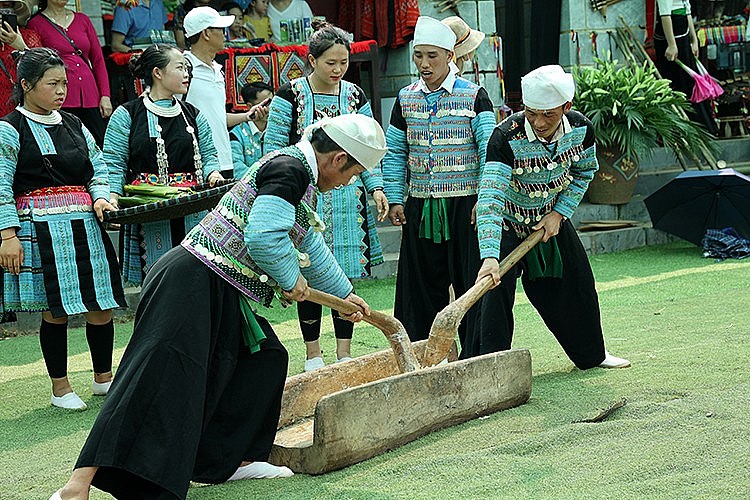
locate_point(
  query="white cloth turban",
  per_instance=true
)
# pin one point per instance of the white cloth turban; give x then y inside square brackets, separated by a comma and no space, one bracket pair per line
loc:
[429,31]
[547,87]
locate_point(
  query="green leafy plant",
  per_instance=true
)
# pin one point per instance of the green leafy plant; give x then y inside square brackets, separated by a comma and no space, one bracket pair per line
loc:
[631,108]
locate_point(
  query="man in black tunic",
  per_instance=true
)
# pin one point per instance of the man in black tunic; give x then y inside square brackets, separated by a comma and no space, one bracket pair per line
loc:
[198,392]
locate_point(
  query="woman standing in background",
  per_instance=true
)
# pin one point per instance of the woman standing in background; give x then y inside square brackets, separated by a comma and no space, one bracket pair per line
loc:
[157,139]
[350,227]
[675,38]
[56,257]
[11,40]
[73,36]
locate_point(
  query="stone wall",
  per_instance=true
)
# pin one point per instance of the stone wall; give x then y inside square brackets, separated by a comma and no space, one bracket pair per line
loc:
[578,17]
[93,9]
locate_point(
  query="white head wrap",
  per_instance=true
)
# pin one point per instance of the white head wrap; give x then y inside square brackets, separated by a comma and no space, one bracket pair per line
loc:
[429,31]
[547,87]
[359,135]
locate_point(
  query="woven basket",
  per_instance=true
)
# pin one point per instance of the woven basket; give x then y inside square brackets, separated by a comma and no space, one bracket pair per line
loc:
[205,198]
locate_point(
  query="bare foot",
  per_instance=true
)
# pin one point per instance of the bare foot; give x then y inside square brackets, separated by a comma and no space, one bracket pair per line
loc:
[79,484]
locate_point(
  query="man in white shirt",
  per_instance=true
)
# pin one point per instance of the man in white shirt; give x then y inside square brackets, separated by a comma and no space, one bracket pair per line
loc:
[278,10]
[204,29]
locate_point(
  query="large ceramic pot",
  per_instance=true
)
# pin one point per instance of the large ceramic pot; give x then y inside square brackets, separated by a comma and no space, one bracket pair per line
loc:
[614,182]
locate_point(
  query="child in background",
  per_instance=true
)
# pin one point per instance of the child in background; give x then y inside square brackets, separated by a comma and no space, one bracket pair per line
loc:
[246,138]
[258,21]
[235,30]
[279,10]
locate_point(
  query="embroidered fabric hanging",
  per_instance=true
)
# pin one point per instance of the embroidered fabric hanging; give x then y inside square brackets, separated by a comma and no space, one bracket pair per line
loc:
[162,161]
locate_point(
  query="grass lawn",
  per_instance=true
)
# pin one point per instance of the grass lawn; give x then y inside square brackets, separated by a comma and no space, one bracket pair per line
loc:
[684,432]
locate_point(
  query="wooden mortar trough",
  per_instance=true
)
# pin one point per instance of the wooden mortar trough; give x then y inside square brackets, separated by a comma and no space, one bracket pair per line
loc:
[347,412]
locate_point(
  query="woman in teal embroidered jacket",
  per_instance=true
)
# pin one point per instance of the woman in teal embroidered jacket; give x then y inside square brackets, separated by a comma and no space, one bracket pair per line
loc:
[351,233]
[56,257]
[157,139]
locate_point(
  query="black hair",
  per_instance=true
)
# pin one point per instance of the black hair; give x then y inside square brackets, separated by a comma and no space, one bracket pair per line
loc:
[31,65]
[325,36]
[190,5]
[191,40]
[230,5]
[156,55]
[324,144]
[250,91]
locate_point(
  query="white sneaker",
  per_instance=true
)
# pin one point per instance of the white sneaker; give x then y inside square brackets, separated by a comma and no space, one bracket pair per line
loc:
[345,358]
[98,389]
[69,401]
[614,362]
[261,470]
[56,496]
[314,363]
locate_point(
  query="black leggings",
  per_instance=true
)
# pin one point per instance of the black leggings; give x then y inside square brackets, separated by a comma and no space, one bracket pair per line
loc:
[310,314]
[53,339]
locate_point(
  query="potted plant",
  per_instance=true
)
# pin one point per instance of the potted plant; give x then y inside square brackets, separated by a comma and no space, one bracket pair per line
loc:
[632,111]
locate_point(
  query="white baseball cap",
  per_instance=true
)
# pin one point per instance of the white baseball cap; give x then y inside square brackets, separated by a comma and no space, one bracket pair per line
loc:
[201,18]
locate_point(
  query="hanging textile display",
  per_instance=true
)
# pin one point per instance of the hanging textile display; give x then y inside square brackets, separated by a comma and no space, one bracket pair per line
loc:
[271,64]
[389,22]
[721,35]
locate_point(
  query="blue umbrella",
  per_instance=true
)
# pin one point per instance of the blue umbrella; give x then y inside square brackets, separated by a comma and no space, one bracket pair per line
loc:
[698,200]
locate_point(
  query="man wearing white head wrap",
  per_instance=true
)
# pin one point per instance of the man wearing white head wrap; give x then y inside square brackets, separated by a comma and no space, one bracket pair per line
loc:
[198,342]
[437,139]
[539,164]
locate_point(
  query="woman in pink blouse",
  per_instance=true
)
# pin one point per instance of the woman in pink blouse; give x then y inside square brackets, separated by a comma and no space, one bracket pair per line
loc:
[73,36]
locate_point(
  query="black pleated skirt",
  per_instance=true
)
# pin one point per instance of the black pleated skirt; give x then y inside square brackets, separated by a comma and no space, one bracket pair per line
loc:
[189,401]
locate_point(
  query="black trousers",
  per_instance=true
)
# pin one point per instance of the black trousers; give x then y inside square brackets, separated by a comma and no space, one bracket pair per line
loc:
[189,400]
[569,305]
[426,269]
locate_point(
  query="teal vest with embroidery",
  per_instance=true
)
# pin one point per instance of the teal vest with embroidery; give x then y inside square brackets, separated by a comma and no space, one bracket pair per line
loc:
[218,240]
[443,153]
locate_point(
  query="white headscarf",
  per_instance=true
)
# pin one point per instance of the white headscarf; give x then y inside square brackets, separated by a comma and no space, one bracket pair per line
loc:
[430,31]
[547,87]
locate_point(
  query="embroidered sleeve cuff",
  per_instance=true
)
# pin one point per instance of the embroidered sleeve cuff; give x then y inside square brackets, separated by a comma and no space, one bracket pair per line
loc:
[8,215]
[564,207]
[267,239]
[99,191]
[372,180]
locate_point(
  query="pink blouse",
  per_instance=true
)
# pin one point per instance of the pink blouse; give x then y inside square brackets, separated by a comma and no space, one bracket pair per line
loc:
[86,84]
